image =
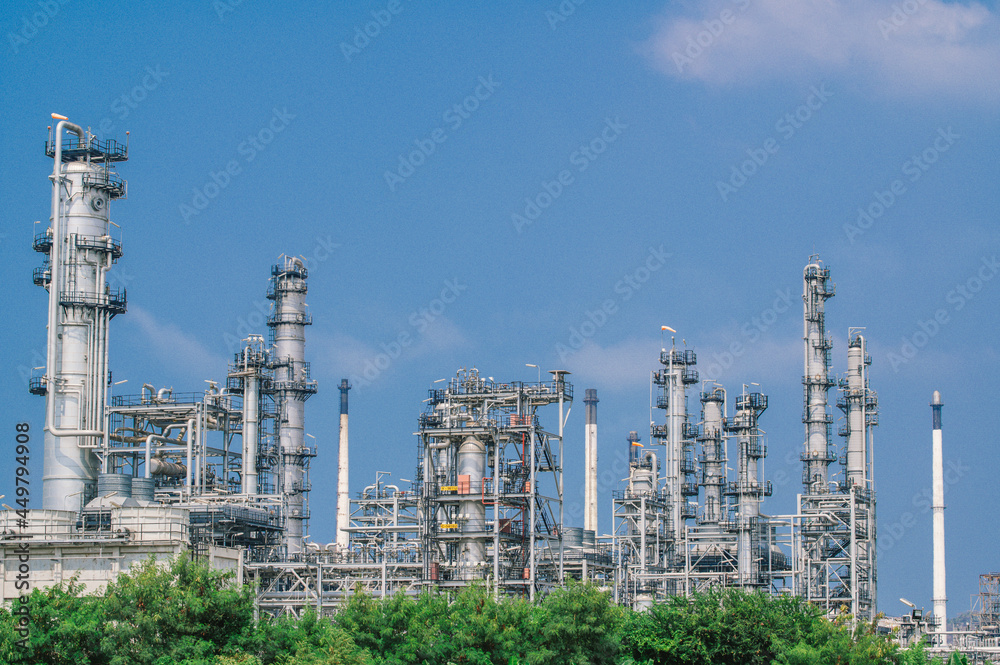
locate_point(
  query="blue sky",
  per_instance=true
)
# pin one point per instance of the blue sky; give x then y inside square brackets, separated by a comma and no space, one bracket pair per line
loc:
[568,175]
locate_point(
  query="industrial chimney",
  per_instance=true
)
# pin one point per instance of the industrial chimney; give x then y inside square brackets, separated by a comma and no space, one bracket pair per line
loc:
[343,473]
[940,597]
[590,455]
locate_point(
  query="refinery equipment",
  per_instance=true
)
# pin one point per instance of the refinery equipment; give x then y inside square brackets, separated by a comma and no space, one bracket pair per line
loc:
[834,535]
[483,461]
[79,250]
[224,471]
[484,504]
[658,551]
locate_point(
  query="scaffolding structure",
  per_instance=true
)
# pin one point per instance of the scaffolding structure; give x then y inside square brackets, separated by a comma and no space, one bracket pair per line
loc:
[490,481]
[986,606]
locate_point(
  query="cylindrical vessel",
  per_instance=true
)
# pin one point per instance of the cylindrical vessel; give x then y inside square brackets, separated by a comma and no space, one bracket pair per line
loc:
[472,513]
[573,537]
[161,467]
[143,489]
[293,387]
[815,291]
[712,449]
[855,403]
[118,484]
[80,253]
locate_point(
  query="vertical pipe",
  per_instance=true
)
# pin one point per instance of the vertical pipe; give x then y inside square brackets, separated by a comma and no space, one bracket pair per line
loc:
[940,597]
[343,474]
[251,427]
[590,460]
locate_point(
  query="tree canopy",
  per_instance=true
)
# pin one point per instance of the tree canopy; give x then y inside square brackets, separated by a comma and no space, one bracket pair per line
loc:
[185,613]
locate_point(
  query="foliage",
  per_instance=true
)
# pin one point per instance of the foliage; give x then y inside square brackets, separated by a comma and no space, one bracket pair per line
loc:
[734,627]
[187,614]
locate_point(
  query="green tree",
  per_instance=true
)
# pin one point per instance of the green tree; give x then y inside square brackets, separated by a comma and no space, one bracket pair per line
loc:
[64,628]
[576,624]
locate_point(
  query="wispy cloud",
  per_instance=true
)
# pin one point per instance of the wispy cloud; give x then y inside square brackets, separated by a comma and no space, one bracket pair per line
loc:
[919,48]
[173,346]
[627,364]
[624,365]
[350,356]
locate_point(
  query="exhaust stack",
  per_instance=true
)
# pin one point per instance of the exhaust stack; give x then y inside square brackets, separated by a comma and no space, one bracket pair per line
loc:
[940,597]
[343,473]
[590,454]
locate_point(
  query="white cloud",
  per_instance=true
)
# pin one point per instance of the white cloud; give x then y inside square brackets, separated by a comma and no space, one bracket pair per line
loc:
[352,357]
[627,364]
[902,48]
[619,366]
[174,346]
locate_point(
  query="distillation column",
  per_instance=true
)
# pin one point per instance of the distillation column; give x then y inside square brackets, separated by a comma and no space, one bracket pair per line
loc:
[80,251]
[816,457]
[679,470]
[247,375]
[590,454]
[343,475]
[713,454]
[749,489]
[293,387]
[860,406]
[857,402]
[940,595]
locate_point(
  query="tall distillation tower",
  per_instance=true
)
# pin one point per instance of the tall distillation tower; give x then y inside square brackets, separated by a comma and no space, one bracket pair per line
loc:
[80,250]
[293,386]
[816,380]
[835,539]
[677,436]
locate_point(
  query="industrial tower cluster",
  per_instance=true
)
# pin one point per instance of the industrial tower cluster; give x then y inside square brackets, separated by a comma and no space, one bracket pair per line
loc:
[224,472]
[690,521]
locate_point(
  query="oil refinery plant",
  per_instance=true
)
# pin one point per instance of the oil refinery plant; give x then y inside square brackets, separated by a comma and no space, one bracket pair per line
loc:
[224,472]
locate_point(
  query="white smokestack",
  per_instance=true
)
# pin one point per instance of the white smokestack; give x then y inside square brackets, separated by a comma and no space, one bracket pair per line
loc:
[940,597]
[590,454]
[343,472]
